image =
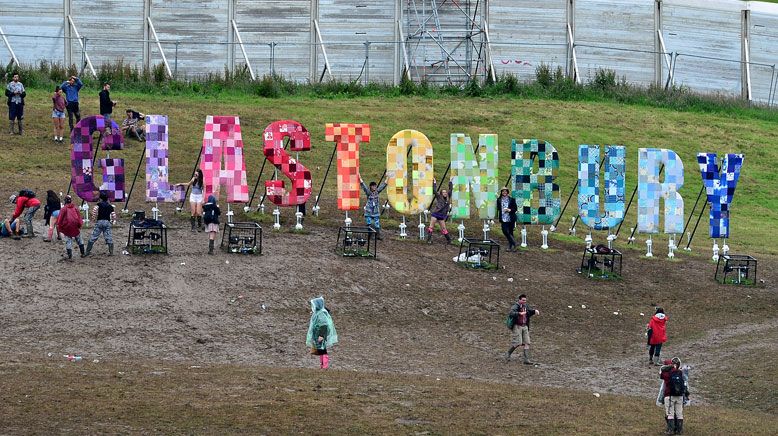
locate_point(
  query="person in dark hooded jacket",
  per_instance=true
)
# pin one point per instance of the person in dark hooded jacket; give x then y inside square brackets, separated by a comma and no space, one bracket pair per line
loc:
[211,214]
[656,336]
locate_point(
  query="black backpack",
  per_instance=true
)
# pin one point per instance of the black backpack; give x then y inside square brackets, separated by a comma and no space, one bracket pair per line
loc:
[677,384]
[29,193]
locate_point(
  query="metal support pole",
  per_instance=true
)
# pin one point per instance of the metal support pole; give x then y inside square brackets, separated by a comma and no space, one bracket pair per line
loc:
[326,173]
[137,170]
[175,62]
[261,170]
[632,197]
[702,210]
[694,209]
[575,220]
[197,162]
[10,49]
[367,62]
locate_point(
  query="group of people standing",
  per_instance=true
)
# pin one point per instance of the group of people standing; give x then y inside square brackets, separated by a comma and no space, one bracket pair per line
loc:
[65,100]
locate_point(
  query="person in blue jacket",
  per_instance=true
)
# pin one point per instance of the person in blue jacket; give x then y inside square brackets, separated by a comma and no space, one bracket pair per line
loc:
[71,87]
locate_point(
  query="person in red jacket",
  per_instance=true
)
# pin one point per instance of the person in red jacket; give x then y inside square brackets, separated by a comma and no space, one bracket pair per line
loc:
[26,200]
[69,224]
[657,335]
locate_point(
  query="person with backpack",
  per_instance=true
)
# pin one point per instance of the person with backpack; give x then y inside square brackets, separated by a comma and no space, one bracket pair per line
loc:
[69,223]
[373,205]
[676,392]
[50,214]
[104,215]
[321,332]
[518,322]
[656,334]
[27,203]
[211,214]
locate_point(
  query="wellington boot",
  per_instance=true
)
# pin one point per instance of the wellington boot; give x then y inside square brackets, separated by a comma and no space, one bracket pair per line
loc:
[81,249]
[669,429]
[378,235]
[210,246]
[526,357]
[192,222]
[70,253]
[11,128]
[110,249]
[679,426]
[30,231]
[88,249]
[21,127]
[199,223]
[448,238]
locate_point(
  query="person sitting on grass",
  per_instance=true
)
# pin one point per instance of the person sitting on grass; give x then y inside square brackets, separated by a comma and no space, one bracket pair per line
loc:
[131,127]
[373,205]
[9,229]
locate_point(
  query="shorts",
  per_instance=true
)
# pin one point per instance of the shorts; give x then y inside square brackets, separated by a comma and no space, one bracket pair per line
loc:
[55,214]
[195,198]
[440,216]
[520,336]
[212,228]
[57,114]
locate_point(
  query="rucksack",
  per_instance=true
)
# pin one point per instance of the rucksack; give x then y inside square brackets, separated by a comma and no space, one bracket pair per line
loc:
[209,214]
[677,384]
[29,193]
[512,318]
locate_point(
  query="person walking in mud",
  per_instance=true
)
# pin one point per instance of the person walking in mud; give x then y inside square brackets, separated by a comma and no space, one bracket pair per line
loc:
[518,321]
[656,334]
[675,393]
[321,332]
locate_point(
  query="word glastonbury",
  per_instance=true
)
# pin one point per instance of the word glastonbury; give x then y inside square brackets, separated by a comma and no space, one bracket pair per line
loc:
[473,171]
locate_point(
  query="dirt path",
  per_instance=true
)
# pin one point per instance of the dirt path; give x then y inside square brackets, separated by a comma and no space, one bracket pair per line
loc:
[411,311]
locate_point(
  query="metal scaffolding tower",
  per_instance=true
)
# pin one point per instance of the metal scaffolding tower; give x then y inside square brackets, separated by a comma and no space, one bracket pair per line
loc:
[447,40]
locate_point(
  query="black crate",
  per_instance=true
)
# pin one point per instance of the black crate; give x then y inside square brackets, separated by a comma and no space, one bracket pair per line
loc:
[601,262]
[479,253]
[147,236]
[736,269]
[242,238]
[356,242]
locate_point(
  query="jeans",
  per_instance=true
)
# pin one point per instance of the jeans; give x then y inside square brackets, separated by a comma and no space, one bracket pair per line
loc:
[104,227]
[507,230]
[73,110]
[69,241]
[373,221]
[29,214]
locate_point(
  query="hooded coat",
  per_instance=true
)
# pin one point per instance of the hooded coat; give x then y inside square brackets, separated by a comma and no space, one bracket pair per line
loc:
[657,327]
[211,211]
[69,222]
[320,325]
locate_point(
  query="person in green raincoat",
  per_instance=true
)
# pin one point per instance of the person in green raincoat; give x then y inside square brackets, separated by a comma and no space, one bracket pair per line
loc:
[321,332]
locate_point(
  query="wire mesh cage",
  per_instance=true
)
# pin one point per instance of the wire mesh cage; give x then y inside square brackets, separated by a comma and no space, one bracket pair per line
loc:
[736,269]
[477,253]
[147,236]
[243,238]
[356,242]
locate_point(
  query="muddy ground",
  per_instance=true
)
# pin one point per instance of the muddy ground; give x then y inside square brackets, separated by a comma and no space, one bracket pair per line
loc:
[411,311]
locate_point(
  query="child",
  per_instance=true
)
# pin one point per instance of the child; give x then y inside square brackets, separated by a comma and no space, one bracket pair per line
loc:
[69,223]
[58,114]
[439,212]
[321,332]
[105,214]
[51,210]
[211,214]
[657,335]
[373,205]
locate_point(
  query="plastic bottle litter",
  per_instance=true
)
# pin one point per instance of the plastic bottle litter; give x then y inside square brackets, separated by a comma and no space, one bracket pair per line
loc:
[72,357]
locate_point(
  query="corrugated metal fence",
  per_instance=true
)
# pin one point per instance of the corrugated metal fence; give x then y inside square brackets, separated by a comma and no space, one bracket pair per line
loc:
[711,46]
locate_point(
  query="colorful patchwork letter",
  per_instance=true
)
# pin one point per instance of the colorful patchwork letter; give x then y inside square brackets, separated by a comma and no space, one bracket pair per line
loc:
[299,140]
[397,172]
[720,188]
[348,137]
[526,181]
[481,175]
[222,137]
[650,190]
[81,158]
[589,186]
[157,186]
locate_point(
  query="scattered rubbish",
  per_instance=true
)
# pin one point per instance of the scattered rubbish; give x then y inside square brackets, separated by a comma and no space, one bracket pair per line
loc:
[642,314]
[510,279]
[569,307]
[49,354]
[748,296]
[583,306]
[437,378]
[183,263]
[96,361]
[425,311]
[407,284]
[125,252]
[597,395]
[526,280]
[494,278]
[195,366]
[72,357]
[615,313]
[227,261]
[263,307]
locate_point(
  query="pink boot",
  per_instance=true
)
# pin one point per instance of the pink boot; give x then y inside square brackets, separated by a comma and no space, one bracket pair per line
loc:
[325,361]
[48,236]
